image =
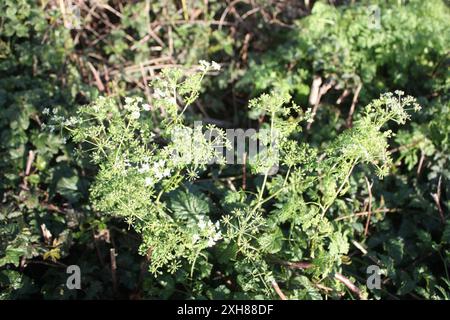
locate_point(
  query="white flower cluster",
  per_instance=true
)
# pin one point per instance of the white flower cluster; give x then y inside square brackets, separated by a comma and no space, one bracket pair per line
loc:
[159,94]
[396,105]
[56,118]
[157,172]
[208,231]
[164,95]
[205,66]
[57,121]
[134,106]
[71,121]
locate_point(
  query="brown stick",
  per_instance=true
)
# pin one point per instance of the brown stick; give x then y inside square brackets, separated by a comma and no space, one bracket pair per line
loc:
[305,265]
[322,287]
[406,146]
[419,167]
[46,234]
[436,197]
[341,98]
[225,13]
[244,50]
[244,171]
[96,75]
[364,213]
[314,93]
[52,207]
[315,97]
[145,82]
[112,254]
[31,156]
[278,290]
[353,106]
[350,285]
[297,264]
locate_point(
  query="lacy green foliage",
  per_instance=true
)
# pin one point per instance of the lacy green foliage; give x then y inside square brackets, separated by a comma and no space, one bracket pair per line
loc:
[136,170]
[299,226]
[139,181]
[219,240]
[405,240]
[343,44]
[345,48]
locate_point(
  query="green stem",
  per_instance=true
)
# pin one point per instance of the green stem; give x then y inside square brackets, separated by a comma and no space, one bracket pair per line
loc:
[340,187]
[261,191]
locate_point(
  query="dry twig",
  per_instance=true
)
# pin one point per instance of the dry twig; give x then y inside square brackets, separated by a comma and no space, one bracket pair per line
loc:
[350,285]
[353,106]
[437,199]
[278,290]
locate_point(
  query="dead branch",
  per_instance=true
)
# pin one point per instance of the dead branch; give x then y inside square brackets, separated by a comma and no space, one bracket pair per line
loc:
[30,160]
[278,290]
[315,96]
[112,253]
[437,199]
[364,213]
[353,106]
[350,285]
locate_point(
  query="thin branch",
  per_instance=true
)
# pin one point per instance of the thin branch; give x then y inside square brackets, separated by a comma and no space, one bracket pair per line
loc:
[437,199]
[98,80]
[353,106]
[30,160]
[244,171]
[350,285]
[316,96]
[341,98]
[340,187]
[422,159]
[314,92]
[299,265]
[112,253]
[294,265]
[278,290]
[364,213]
[55,264]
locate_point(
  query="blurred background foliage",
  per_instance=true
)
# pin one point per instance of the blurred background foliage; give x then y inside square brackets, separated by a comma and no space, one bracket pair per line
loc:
[333,56]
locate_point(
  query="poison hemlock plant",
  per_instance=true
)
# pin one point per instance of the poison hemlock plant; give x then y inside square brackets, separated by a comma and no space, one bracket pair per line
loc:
[308,213]
[138,165]
[298,225]
[147,175]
